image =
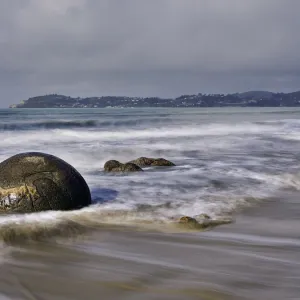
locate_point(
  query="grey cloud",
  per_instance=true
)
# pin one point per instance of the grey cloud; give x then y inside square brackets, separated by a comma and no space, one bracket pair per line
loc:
[147,47]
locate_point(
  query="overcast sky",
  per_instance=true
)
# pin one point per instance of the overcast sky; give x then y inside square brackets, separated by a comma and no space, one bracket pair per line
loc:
[147,47]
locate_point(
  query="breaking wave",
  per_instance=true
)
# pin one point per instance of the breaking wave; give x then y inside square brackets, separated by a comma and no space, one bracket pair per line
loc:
[56,224]
[224,164]
[116,213]
[73,124]
[47,125]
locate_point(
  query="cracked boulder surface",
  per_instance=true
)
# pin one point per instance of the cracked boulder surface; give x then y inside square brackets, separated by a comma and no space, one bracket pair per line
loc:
[34,181]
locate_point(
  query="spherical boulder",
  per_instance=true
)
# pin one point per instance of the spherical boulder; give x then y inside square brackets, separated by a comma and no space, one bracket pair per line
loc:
[34,181]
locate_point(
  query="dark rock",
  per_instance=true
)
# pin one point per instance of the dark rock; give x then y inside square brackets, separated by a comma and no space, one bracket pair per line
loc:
[202,221]
[161,162]
[191,223]
[116,166]
[31,182]
[143,161]
[130,167]
[111,165]
[187,220]
[147,162]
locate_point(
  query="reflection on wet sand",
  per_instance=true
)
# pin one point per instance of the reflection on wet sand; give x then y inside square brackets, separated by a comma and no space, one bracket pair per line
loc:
[252,259]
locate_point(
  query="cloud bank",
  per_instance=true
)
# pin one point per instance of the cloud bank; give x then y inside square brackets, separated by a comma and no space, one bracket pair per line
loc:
[147,47]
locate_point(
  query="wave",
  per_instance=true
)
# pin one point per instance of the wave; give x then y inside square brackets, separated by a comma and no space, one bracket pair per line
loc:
[48,125]
[128,211]
[15,228]
[110,143]
[221,169]
[62,124]
[142,215]
[173,132]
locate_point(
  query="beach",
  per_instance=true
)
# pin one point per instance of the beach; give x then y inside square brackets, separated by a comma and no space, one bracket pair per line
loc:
[236,163]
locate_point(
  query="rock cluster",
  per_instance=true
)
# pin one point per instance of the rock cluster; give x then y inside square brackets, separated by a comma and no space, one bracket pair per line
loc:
[34,181]
[136,165]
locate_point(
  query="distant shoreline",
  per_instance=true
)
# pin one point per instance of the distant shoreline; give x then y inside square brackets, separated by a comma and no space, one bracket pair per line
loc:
[247,99]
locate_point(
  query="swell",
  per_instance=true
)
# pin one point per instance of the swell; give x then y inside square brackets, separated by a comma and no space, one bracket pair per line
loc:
[57,124]
[47,125]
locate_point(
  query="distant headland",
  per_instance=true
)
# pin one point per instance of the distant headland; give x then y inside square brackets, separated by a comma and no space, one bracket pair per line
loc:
[247,99]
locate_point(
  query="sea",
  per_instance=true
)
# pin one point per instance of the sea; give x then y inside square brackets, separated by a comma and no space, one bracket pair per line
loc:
[239,164]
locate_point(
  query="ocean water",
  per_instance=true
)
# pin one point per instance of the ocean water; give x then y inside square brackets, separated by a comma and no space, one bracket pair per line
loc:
[238,164]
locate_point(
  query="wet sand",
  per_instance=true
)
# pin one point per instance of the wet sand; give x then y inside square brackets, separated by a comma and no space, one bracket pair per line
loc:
[257,257]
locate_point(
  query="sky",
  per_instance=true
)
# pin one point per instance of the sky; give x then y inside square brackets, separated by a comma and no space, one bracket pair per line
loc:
[160,48]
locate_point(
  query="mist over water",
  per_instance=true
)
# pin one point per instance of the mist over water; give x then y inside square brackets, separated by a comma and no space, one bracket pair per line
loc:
[229,162]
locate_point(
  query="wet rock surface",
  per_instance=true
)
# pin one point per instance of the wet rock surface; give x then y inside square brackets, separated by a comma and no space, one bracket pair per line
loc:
[34,181]
[116,166]
[154,162]
[202,221]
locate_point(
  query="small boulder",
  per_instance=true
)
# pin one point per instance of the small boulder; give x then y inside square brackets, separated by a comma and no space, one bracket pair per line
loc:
[130,167]
[190,223]
[116,166]
[187,220]
[152,162]
[143,161]
[161,162]
[34,181]
[201,222]
[112,165]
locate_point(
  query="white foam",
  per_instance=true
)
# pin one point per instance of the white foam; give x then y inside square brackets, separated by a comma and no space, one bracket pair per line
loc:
[218,151]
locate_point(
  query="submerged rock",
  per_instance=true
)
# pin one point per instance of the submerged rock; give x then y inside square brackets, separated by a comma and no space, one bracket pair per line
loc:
[202,221]
[202,217]
[147,162]
[191,223]
[32,182]
[116,166]
[187,220]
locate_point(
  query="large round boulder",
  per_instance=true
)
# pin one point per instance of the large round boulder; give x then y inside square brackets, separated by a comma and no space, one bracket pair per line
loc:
[31,182]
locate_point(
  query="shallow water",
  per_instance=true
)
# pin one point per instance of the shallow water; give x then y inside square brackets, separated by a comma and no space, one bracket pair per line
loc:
[230,163]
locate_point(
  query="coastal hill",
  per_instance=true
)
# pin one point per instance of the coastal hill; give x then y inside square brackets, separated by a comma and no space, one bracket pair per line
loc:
[252,98]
